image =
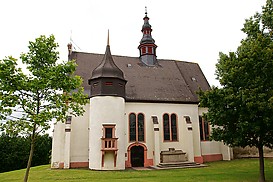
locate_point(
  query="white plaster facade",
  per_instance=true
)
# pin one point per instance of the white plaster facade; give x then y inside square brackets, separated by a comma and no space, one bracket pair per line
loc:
[82,147]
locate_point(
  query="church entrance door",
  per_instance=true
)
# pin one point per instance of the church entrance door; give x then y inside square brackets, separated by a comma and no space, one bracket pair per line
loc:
[137,156]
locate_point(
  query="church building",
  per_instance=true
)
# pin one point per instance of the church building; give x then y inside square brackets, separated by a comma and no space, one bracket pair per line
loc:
[142,111]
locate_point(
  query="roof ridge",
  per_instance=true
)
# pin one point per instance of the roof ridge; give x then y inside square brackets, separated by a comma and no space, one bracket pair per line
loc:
[174,60]
[102,54]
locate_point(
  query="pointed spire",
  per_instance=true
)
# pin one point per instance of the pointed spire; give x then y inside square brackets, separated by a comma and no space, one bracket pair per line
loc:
[107,78]
[107,67]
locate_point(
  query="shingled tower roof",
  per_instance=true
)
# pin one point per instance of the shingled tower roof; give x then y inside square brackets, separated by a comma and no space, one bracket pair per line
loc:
[107,79]
[107,67]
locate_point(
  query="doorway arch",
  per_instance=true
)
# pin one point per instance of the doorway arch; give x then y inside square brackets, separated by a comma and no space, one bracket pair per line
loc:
[137,156]
[146,162]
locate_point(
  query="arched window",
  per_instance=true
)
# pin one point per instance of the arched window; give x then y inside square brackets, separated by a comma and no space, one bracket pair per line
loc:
[170,127]
[174,127]
[140,124]
[166,125]
[132,125]
[136,127]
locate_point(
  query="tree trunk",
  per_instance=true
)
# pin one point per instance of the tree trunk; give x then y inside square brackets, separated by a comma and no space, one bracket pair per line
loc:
[30,153]
[261,162]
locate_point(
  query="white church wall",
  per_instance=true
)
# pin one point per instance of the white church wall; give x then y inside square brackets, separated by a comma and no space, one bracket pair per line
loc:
[106,110]
[79,139]
[141,108]
[159,109]
[210,147]
[213,150]
[57,156]
[227,152]
[196,136]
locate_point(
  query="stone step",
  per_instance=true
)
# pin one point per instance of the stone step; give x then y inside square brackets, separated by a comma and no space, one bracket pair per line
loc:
[179,163]
[186,164]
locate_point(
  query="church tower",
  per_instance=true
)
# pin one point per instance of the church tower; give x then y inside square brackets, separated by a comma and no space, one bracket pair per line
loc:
[147,47]
[107,109]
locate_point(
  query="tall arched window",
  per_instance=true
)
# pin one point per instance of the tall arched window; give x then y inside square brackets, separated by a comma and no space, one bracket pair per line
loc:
[174,127]
[170,127]
[140,126]
[166,125]
[132,125]
[136,127]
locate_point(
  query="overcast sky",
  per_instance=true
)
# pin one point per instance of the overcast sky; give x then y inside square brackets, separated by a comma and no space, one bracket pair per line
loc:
[187,30]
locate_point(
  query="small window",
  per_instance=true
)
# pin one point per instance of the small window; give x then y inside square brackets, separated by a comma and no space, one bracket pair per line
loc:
[95,84]
[204,129]
[109,131]
[150,50]
[108,83]
[170,127]
[143,49]
[68,120]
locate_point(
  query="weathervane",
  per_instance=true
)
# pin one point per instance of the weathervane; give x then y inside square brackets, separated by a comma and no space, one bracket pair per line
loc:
[146,10]
[72,42]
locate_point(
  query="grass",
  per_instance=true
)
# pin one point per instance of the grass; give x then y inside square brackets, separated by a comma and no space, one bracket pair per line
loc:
[235,170]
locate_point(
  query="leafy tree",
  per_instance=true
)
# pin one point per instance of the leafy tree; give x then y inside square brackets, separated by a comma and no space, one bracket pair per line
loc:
[14,151]
[241,111]
[42,153]
[47,90]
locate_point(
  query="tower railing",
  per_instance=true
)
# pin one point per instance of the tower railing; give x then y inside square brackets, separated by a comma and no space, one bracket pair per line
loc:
[109,144]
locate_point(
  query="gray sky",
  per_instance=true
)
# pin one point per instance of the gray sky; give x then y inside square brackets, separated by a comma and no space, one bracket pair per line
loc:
[187,30]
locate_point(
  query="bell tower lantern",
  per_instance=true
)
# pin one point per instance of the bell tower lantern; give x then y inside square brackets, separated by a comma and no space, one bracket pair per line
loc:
[147,47]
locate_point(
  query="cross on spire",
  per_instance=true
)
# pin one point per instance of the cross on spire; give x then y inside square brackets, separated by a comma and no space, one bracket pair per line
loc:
[108,38]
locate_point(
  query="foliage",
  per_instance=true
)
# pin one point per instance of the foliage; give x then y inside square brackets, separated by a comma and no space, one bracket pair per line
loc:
[39,94]
[241,111]
[47,90]
[243,170]
[14,151]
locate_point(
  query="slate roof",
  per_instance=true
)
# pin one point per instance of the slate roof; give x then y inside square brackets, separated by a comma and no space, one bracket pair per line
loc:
[107,67]
[171,81]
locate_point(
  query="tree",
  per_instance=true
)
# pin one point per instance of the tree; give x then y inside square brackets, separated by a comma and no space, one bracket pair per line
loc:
[14,151]
[241,111]
[47,90]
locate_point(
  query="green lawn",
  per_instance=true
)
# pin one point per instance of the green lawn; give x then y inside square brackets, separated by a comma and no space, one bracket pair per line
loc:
[236,170]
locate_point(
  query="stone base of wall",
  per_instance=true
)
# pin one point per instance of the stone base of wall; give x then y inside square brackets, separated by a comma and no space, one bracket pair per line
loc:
[147,163]
[79,164]
[199,159]
[72,165]
[212,157]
